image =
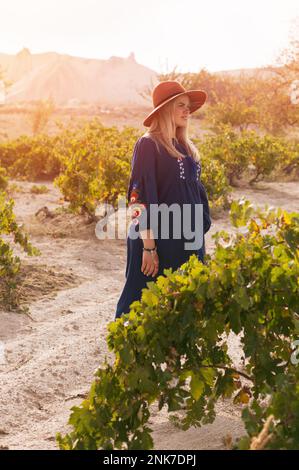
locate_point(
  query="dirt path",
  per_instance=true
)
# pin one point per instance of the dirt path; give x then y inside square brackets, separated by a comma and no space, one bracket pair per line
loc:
[50,358]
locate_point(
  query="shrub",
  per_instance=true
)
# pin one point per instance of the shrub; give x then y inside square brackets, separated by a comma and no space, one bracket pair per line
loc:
[171,348]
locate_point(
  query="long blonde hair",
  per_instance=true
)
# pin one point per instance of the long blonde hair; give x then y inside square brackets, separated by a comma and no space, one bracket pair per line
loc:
[163,128]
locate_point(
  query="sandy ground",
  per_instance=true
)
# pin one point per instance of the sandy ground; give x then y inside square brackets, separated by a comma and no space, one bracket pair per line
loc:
[71,291]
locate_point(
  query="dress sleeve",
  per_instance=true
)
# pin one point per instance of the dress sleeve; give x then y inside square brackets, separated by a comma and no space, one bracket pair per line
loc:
[142,189]
[206,208]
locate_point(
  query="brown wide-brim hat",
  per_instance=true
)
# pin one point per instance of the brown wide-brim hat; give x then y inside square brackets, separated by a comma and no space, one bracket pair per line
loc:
[168,90]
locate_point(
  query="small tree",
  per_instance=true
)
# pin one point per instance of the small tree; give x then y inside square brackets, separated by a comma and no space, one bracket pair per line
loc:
[39,116]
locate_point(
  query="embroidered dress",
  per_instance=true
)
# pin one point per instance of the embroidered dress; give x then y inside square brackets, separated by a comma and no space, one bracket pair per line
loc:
[158,179]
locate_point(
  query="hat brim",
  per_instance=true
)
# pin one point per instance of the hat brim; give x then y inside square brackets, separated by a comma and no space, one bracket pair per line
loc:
[197,99]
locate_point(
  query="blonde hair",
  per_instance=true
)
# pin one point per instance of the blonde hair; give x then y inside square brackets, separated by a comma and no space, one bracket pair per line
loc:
[163,128]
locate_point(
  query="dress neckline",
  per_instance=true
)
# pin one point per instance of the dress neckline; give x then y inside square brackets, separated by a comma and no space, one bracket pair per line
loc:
[178,144]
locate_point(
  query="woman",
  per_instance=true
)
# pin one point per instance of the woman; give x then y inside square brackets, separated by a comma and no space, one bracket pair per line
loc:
[165,173]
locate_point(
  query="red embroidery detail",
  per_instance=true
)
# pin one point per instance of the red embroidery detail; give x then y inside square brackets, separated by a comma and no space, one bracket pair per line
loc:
[135,204]
[134,196]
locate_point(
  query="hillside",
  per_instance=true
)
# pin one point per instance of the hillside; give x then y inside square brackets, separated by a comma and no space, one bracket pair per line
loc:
[75,80]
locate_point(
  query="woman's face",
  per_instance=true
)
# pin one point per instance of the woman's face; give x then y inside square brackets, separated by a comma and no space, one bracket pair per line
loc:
[182,110]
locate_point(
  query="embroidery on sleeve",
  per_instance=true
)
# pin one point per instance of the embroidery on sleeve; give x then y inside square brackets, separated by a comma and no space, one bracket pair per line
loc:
[136,206]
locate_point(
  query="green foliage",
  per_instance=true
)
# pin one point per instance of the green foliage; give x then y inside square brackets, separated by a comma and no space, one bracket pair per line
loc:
[261,99]
[3,179]
[39,189]
[235,151]
[283,405]
[94,154]
[171,348]
[236,114]
[215,180]
[10,264]
[91,162]
[30,158]
[95,164]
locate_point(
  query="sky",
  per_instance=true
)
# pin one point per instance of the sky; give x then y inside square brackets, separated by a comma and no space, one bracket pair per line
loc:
[163,34]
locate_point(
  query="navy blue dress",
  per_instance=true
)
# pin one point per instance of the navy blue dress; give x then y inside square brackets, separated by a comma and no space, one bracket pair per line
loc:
[158,178]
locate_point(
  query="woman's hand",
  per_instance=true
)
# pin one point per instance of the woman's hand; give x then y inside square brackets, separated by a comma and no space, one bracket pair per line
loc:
[150,263]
